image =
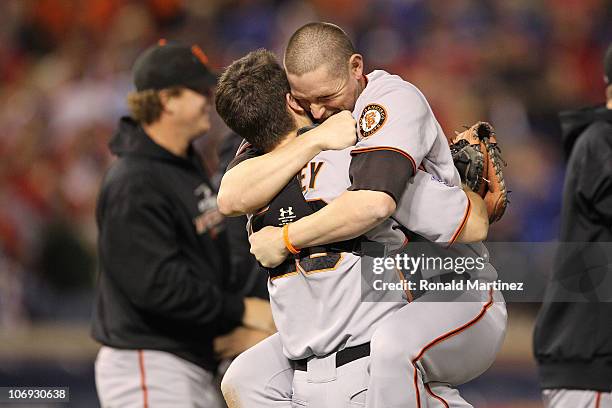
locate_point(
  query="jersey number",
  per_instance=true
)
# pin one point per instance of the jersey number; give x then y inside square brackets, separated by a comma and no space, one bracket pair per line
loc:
[317,262]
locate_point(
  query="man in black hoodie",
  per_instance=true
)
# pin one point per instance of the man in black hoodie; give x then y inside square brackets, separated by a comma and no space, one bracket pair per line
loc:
[573,340]
[163,292]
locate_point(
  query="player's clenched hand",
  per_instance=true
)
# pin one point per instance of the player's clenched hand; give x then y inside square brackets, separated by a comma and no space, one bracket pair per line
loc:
[258,315]
[337,132]
[268,246]
[237,341]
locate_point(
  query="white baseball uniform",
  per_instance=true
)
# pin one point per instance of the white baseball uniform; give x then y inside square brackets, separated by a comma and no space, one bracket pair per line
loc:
[319,310]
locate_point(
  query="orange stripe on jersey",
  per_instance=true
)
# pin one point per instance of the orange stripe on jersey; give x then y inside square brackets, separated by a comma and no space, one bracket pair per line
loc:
[430,392]
[466,215]
[331,268]
[447,336]
[143,380]
[272,278]
[263,210]
[389,148]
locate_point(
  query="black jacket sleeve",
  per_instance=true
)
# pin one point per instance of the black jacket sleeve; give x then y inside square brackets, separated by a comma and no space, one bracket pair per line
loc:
[594,189]
[140,253]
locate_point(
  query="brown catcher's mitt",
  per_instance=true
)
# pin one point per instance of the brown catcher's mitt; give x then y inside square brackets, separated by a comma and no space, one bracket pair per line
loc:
[478,159]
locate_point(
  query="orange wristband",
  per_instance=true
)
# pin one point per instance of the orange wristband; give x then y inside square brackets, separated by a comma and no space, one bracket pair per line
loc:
[288,244]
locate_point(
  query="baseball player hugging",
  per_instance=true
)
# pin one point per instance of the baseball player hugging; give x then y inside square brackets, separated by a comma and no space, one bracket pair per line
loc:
[397,186]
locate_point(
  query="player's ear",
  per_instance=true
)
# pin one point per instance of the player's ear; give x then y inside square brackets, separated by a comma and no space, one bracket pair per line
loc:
[165,99]
[293,104]
[356,66]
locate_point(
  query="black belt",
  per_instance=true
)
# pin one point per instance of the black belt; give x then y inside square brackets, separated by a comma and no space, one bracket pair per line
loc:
[359,246]
[343,357]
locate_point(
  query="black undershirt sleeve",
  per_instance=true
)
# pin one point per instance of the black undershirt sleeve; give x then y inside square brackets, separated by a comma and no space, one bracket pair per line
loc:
[381,170]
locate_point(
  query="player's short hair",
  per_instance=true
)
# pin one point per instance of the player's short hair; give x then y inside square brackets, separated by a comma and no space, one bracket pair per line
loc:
[146,106]
[250,98]
[317,44]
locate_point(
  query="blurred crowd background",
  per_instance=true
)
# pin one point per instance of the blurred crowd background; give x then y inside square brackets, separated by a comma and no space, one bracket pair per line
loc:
[65,71]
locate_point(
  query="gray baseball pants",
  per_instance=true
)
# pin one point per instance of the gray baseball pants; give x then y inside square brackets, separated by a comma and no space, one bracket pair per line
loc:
[564,398]
[152,379]
[418,355]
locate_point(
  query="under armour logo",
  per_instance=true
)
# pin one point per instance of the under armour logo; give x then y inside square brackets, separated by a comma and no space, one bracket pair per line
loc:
[288,212]
[286,216]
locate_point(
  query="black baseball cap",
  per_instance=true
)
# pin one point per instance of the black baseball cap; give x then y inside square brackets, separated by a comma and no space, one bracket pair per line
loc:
[608,65]
[166,65]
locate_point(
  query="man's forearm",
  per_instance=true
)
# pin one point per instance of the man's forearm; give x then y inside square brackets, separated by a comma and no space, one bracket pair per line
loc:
[253,183]
[356,212]
[350,215]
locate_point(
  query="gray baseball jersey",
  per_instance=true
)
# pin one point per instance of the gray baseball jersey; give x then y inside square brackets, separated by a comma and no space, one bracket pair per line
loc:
[395,119]
[396,125]
[393,114]
[319,309]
